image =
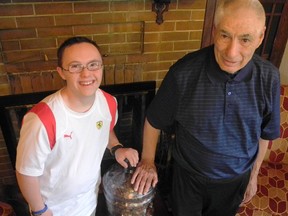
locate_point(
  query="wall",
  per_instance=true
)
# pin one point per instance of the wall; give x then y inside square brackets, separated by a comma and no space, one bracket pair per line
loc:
[135,47]
[131,41]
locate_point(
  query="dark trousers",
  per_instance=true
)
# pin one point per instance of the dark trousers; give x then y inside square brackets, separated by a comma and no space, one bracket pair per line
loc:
[194,195]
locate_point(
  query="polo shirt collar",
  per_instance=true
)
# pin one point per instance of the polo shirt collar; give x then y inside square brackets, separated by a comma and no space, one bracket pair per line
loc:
[216,75]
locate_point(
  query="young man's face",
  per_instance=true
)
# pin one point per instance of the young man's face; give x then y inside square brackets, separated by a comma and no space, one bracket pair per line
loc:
[84,83]
[236,37]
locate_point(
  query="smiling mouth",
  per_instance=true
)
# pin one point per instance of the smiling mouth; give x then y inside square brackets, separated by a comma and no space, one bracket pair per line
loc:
[229,63]
[86,83]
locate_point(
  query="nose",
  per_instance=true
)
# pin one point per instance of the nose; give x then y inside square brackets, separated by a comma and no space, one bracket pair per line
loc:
[232,49]
[85,71]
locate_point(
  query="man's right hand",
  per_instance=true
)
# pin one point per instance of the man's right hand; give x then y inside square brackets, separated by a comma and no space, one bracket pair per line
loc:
[144,177]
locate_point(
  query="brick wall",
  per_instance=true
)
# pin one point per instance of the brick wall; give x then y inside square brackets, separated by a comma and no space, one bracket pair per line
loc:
[134,46]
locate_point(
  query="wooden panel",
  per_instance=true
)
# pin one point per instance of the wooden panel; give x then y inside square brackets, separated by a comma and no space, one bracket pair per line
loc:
[281,38]
[208,23]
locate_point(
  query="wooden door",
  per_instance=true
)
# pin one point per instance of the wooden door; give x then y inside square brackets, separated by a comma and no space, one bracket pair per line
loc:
[275,40]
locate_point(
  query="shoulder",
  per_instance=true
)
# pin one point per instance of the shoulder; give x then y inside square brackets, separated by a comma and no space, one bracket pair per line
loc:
[105,95]
[263,65]
[48,110]
[188,69]
[107,98]
[192,64]
[47,104]
[267,71]
[195,58]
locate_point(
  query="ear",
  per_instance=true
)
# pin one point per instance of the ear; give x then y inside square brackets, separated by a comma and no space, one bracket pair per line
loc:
[60,72]
[261,36]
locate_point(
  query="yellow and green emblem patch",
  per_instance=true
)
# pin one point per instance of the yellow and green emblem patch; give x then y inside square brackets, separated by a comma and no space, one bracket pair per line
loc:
[99,124]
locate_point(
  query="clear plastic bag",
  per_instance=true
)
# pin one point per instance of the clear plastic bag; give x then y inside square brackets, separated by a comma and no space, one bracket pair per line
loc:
[121,199]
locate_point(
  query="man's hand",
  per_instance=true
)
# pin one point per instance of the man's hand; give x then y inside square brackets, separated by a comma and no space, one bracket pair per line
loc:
[252,185]
[250,190]
[130,154]
[144,177]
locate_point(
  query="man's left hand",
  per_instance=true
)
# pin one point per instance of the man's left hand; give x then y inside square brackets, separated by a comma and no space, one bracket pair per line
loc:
[250,190]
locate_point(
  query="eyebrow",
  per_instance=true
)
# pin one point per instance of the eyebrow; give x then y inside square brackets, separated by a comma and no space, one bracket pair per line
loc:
[225,32]
[77,62]
[241,36]
[246,35]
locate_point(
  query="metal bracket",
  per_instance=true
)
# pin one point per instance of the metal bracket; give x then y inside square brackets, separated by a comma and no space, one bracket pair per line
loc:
[159,8]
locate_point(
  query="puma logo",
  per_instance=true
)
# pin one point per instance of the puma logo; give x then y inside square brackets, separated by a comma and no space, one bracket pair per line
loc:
[68,135]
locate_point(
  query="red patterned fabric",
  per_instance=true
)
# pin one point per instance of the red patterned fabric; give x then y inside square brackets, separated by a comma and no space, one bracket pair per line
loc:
[272,195]
[6,209]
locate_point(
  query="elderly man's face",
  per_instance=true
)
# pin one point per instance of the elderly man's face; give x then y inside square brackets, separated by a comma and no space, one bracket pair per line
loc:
[236,37]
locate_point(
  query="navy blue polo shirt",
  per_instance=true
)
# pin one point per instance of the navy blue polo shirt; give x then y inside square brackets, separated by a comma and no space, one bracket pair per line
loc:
[219,118]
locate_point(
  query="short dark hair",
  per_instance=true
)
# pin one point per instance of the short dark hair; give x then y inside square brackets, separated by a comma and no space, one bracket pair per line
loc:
[71,41]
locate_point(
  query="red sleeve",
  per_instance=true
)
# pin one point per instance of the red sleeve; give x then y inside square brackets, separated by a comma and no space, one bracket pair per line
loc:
[112,107]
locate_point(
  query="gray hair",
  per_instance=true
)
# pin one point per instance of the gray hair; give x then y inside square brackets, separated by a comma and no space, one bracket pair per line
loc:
[234,4]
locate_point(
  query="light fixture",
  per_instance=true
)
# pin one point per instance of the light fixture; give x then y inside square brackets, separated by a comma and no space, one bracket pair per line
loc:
[159,7]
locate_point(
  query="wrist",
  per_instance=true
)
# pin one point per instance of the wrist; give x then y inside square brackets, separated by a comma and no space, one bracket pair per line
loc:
[40,212]
[115,148]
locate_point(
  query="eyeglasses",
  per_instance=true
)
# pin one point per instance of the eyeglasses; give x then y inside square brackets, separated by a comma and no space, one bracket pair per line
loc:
[78,68]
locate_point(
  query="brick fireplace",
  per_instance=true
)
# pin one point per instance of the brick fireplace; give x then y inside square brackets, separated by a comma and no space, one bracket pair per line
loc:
[135,48]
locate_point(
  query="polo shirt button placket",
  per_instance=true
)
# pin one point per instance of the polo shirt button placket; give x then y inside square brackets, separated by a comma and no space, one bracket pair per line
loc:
[228,103]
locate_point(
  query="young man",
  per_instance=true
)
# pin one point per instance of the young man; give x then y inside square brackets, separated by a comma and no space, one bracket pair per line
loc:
[63,138]
[224,102]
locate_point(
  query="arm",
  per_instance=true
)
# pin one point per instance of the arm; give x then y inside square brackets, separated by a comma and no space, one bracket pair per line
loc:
[252,185]
[122,153]
[145,175]
[29,186]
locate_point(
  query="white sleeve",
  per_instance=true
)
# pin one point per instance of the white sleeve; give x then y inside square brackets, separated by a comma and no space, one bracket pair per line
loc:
[33,146]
